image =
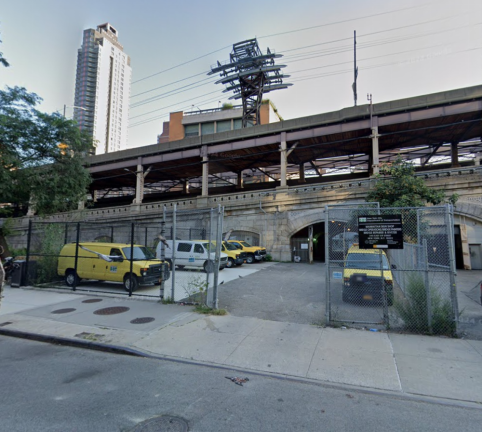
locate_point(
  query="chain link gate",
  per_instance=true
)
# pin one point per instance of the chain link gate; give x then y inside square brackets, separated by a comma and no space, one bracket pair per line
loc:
[410,289]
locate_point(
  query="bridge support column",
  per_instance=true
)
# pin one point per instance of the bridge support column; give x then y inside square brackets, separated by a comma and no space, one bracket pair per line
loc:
[139,184]
[455,155]
[205,179]
[375,159]
[477,159]
[283,160]
[240,184]
[302,173]
[185,187]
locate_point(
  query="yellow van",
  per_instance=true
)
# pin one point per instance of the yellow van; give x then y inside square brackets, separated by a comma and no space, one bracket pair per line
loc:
[235,256]
[253,253]
[111,262]
[366,275]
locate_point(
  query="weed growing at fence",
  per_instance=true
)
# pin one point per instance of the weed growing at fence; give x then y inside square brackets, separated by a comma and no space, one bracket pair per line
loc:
[413,309]
[52,243]
[195,288]
[168,300]
[206,310]
[268,258]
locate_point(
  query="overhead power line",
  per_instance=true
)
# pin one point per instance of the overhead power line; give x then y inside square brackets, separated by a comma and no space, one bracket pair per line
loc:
[277,34]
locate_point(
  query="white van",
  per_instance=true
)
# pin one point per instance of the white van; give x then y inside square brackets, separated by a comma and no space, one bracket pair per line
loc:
[191,253]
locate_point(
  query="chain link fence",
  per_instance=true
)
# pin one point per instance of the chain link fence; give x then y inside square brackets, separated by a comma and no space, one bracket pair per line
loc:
[409,288]
[176,256]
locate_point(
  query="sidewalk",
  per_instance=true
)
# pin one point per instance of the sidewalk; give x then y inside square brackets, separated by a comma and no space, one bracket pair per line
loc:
[404,364]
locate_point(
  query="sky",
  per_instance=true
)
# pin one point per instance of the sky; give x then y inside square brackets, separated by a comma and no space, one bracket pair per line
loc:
[404,49]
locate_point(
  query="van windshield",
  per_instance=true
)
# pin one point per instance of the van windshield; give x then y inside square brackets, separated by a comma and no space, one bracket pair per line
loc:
[230,246]
[140,253]
[366,261]
[209,246]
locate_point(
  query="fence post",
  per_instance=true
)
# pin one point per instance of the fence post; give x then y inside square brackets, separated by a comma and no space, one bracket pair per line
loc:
[211,224]
[173,231]
[327,267]
[112,233]
[449,223]
[427,286]
[131,276]
[386,319]
[66,237]
[27,257]
[163,253]
[76,259]
[218,256]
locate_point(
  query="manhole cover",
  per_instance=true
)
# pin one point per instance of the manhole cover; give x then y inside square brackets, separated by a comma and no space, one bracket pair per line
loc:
[162,424]
[62,311]
[143,320]
[111,310]
[92,301]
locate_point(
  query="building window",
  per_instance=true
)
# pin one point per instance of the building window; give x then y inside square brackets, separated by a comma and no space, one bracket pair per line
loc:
[223,126]
[191,130]
[238,124]
[207,128]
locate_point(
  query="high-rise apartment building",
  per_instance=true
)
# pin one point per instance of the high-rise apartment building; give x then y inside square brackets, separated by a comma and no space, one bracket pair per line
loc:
[102,89]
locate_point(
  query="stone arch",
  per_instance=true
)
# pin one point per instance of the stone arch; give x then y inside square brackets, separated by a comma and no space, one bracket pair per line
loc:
[472,210]
[299,220]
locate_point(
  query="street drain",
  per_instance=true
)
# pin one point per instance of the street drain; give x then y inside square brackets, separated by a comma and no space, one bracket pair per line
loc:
[162,424]
[6,323]
[62,311]
[92,301]
[111,310]
[143,320]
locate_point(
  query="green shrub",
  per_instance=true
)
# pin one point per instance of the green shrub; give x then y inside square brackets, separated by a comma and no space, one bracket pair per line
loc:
[413,309]
[268,258]
[52,242]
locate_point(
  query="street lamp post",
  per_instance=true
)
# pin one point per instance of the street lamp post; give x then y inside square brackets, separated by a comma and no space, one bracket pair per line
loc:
[74,106]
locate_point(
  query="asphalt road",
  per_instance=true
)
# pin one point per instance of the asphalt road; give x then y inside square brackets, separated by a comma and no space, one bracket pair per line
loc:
[56,388]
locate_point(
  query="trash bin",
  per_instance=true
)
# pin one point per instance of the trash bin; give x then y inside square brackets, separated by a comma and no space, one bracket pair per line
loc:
[18,272]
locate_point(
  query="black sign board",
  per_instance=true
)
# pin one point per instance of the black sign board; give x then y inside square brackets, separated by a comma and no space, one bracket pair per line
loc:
[380,232]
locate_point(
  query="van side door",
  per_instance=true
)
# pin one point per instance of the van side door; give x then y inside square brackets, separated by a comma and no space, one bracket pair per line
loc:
[116,269]
[183,253]
[199,254]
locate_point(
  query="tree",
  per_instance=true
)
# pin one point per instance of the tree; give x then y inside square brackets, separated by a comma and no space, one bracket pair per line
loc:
[3,60]
[41,155]
[397,186]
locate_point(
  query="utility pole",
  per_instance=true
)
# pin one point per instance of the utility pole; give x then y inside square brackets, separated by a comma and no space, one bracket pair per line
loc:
[355,70]
[369,98]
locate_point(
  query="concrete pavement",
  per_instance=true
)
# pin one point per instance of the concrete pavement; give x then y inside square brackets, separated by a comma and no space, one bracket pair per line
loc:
[399,363]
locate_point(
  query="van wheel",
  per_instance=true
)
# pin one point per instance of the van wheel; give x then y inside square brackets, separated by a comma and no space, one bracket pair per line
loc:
[230,263]
[170,263]
[71,278]
[209,267]
[127,282]
[250,259]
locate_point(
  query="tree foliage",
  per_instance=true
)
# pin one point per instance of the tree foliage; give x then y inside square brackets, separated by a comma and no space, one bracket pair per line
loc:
[397,186]
[41,155]
[3,60]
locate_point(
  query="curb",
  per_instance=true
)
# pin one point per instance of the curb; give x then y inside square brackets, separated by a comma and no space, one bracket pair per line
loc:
[57,340]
